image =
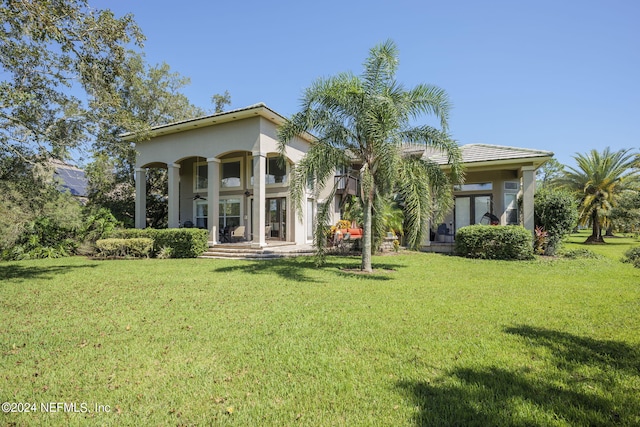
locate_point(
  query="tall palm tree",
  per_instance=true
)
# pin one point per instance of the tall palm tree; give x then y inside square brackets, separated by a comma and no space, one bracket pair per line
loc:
[366,121]
[597,181]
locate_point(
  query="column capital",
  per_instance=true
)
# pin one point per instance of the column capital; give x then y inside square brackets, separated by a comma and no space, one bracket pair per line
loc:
[213,159]
[259,153]
[173,165]
[527,168]
[141,169]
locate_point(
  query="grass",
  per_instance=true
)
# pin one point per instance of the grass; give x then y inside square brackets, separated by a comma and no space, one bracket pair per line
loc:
[432,340]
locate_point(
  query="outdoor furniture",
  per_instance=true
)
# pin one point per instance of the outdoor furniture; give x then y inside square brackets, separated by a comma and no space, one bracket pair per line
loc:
[224,235]
[237,233]
[444,233]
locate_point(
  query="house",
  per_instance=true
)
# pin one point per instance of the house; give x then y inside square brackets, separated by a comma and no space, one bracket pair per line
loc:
[496,177]
[224,173]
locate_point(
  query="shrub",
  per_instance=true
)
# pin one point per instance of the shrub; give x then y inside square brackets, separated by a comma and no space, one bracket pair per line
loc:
[183,242]
[580,253]
[136,247]
[494,242]
[632,256]
[556,213]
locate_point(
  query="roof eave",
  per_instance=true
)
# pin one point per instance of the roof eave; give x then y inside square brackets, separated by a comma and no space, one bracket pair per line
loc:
[257,110]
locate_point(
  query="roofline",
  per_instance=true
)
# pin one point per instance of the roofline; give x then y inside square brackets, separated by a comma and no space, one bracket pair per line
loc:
[540,160]
[542,153]
[259,109]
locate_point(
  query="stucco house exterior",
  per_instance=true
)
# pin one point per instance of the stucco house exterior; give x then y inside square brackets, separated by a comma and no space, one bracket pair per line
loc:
[224,173]
[496,177]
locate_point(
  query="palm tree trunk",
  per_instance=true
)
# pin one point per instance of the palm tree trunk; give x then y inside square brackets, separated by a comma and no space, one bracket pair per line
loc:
[596,230]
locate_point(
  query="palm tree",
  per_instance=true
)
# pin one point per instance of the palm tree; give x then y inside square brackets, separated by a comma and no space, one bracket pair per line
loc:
[366,121]
[597,181]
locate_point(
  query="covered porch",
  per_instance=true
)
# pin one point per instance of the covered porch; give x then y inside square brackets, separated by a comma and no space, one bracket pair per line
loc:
[499,189]
[225,174]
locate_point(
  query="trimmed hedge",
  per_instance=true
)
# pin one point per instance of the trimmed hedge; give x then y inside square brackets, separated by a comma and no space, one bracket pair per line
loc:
[137,247]
[183,242]
[507,242]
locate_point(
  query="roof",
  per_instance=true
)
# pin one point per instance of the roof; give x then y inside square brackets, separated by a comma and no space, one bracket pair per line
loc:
[259,109]
[70,178]
[484,153]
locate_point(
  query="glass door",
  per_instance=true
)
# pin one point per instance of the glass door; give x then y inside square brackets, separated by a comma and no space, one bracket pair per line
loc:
[275,220]
[470,210]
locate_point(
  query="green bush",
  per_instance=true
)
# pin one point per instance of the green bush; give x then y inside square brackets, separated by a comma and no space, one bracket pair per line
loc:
[632,256]
[136,247]
[494,242]
[182,242]
[580,253]
[556,213]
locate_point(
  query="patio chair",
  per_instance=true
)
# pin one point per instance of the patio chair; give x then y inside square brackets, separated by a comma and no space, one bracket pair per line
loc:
[237,233]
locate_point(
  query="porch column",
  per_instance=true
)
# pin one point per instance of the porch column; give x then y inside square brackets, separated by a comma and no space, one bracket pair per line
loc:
[174,195]
[213,197]
[259,202]
[141,198]
[528,190]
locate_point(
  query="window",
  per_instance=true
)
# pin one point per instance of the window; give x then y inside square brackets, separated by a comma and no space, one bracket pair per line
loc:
[511,202]
[202,213]
[310,219]
[229,213]
[276,171]
[480,186]
[230,174]
[200,173]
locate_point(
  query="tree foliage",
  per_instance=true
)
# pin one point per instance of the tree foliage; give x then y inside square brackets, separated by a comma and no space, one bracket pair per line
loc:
[597,180]
[61,61]
[151,96]
[367,120]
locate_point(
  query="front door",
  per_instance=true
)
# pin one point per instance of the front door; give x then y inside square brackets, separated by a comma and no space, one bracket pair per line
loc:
[275,220]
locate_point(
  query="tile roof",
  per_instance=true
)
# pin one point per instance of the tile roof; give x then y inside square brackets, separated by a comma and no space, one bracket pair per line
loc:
[474,153]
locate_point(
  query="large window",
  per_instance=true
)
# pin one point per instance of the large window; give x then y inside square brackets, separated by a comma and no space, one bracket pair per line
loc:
[229,213]
[470,209]
[230,171]
[276,171]
[200,171]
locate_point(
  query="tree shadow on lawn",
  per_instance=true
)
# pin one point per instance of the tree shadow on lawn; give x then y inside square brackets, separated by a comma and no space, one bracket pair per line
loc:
[297,269]
[15,271]
[585,389]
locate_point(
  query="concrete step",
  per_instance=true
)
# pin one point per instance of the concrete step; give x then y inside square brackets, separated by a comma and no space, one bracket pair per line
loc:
[245,252]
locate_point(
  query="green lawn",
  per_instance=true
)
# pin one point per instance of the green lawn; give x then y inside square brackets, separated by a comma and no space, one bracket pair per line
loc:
[429,340]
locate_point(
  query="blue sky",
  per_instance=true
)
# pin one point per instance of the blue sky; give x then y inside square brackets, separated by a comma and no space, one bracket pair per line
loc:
[552,75]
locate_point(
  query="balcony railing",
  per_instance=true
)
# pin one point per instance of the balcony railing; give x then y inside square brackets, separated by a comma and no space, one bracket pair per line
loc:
[347,184]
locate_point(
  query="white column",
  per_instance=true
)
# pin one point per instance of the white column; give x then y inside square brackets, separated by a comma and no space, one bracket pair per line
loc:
[259,201]
[141,198]
[174,195]
[528,191]
[213,197]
